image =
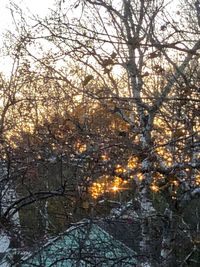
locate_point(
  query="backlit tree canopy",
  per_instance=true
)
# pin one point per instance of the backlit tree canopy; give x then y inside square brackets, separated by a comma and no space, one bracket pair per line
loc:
[109,92]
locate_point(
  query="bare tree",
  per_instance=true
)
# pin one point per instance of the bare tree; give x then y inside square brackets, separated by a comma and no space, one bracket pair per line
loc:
[139,64]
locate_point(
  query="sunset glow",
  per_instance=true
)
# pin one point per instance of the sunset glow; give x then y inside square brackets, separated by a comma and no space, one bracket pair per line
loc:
[109,185]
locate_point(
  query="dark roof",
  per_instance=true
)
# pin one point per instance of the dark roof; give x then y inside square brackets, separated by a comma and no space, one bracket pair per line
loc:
[126,230]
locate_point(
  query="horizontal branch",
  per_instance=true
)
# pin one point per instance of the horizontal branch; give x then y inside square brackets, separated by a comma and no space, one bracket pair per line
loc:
[33,197]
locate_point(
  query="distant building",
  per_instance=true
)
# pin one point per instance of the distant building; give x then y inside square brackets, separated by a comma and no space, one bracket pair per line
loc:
[84,245]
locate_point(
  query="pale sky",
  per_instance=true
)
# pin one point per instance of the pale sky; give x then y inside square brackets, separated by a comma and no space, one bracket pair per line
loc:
[36,7]
[39,7]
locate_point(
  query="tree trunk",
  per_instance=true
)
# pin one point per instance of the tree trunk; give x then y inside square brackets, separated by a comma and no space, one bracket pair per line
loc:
[146,213]
[167,237]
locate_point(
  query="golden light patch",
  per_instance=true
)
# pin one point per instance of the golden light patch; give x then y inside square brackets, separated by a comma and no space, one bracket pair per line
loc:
[166,155]
[154,188]
[140,176]
[104,157]
[107,184]
[115,188]
[119,169]
[80,147]
[132,162]
[197,178]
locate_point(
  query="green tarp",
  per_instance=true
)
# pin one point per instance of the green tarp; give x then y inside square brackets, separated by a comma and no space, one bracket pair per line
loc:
[86,245]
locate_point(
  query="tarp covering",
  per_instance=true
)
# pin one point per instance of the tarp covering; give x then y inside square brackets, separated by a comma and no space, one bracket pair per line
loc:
[83,245]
